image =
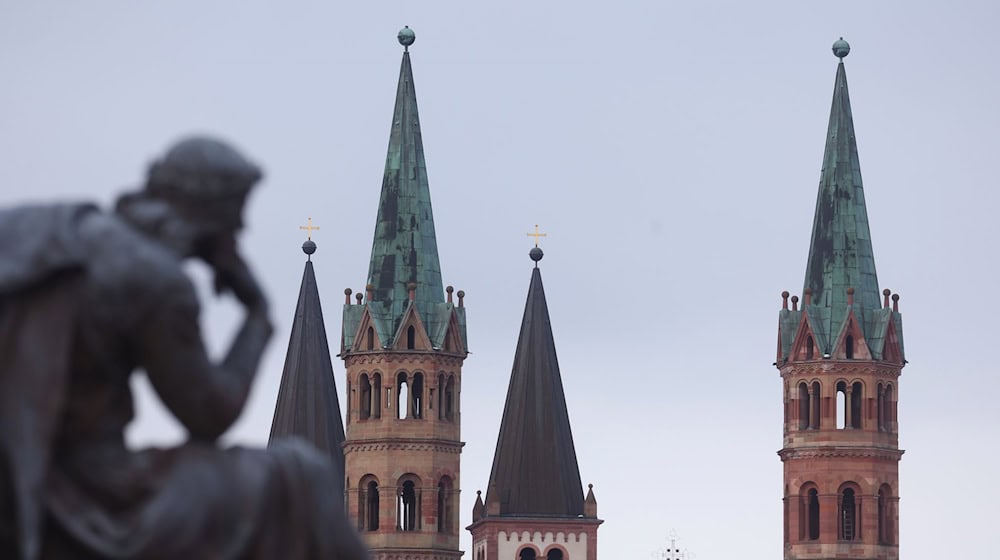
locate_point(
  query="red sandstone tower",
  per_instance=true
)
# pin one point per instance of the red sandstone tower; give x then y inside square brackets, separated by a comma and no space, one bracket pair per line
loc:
[840,358]
[403,347]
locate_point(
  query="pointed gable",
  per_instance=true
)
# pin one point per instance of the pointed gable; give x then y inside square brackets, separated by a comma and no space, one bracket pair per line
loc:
[535,471]
[308,406]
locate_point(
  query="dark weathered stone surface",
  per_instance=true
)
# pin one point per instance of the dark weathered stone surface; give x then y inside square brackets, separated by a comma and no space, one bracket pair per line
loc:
[308,406]
[535,471]
[86,299]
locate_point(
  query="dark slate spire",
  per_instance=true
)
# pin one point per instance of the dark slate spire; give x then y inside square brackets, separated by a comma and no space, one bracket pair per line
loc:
[405,249]
[840,253]
[535,472]
[307,405]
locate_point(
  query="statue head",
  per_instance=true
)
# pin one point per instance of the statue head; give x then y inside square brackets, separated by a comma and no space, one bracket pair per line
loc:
[205,180]
[194,196]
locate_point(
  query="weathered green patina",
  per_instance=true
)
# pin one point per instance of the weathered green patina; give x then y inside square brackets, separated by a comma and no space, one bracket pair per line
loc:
[404,249]
[840,251]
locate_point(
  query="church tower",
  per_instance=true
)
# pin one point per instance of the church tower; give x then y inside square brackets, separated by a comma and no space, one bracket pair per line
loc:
[535,508]
[840,358]
[307,405]
[403,347]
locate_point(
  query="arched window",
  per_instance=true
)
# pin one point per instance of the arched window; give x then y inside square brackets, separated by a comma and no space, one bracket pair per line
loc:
[417,395]
[411,337]
[809,348]
[377,395]
[880,407]
[803,406]
[408,505]
[444,509]
[369,506]
[888,410]
[810,523]
[814,400]
[842,406]
[365,397]
[370,344]
[848,515]
[527,553]
[554,554]
[884,521]
[449,399]
[440,391]
[402,396]
[849,347]
[857,392]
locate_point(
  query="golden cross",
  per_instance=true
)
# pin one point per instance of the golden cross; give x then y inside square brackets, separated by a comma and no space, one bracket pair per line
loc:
[309,228]
[536,235]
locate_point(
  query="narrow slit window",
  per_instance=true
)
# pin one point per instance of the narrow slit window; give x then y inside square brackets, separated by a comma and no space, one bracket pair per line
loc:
[417,395]
[365,398]
[408,506]
[848,515]
[402,397]
[371,506]
[812,515]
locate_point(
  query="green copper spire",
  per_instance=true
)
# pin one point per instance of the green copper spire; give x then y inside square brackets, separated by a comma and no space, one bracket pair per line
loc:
[405,249]
[840,253]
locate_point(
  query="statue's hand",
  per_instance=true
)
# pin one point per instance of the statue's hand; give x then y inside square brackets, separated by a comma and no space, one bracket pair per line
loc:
[232,273]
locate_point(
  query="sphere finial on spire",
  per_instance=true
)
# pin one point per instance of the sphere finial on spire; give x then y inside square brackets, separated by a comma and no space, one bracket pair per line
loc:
[536,254]
[840,48]
[406,37]
[309,247]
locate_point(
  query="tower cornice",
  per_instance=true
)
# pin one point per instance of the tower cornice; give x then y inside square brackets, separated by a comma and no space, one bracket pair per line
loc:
[401,357]
[404,444]
[880,369]
[830,452]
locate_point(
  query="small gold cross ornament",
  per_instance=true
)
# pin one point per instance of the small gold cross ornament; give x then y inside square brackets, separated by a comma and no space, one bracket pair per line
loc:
[536,235]
[309,228]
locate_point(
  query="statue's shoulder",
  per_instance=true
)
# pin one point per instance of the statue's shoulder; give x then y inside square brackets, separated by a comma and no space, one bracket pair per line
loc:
[129,262]
[39,241]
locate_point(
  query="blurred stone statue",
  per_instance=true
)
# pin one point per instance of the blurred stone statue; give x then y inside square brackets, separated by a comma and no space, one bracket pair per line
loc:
[88,297]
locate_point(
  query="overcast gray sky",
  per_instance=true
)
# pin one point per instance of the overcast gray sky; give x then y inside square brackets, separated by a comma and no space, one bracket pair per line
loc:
[671,150]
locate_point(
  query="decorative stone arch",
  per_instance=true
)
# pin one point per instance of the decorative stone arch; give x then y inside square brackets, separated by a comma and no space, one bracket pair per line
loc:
[369,504]
[408,502]
[445,504]
[448,393]
[401,381]
[364,396]
[528,552]
[849,511]
[804,346]
[809,512]
[850,398]
[556,552]
[889,406]
[802,393]
[416,398]
[376,381]
[885,514]
[851,344]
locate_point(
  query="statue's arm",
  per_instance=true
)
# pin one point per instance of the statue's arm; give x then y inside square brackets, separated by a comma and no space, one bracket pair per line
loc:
[206,398]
